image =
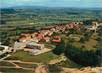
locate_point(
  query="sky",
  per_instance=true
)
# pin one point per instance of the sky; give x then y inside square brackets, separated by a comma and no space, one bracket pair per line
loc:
[52,3]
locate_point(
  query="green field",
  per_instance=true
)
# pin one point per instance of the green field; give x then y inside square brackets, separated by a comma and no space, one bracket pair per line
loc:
[26,56]
[15,70]
[2,63]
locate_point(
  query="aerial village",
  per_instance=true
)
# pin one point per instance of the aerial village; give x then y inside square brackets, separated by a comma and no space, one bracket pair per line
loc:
[34,42]
[41,42]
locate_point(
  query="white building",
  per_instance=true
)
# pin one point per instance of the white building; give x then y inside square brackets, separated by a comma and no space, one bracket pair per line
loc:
[34,45]
[19,45]
[34,48]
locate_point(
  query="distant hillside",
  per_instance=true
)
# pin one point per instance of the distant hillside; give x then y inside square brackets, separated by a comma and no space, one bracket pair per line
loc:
[45,15]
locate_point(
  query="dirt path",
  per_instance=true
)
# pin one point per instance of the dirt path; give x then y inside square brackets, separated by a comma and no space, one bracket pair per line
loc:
[11,61]
[58,60]
[17,66]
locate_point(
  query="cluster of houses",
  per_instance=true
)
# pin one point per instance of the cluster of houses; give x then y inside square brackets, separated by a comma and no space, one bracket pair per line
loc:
[47,33]
[35,41]
[95,25]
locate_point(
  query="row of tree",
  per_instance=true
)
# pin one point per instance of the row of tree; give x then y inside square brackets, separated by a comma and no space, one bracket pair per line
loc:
[79,55]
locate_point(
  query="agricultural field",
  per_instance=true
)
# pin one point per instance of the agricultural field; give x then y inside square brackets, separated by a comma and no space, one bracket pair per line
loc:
[21,19]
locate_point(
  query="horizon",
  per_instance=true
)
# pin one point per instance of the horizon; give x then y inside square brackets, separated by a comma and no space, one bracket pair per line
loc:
[52,3]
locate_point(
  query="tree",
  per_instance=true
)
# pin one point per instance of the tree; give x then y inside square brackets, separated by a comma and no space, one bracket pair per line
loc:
[87,35]
[87,22]
[82,40]
[72,31]
[80,56]
[59,48]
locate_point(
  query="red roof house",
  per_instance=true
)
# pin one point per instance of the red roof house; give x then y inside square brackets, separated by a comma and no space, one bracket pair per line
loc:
[56,39]
[40,36]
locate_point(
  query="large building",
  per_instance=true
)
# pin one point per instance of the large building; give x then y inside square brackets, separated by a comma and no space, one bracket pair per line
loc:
[34,48]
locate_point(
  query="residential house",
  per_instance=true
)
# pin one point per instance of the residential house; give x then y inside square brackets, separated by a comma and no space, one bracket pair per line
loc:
[47,39]
[22,39]
[56,39]
[40,36]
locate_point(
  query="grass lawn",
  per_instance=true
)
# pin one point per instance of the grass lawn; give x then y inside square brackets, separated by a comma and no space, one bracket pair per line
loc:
[26,65]
[2,63]
[91,43]
[26,56]
[88,44]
